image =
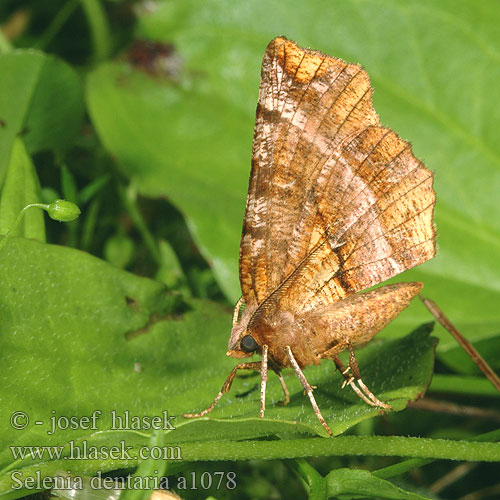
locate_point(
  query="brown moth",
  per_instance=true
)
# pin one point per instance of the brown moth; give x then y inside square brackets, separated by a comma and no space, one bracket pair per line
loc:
[337,203]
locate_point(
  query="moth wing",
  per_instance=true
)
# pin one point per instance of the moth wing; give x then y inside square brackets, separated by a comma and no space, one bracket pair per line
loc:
[310,105]
[377,208]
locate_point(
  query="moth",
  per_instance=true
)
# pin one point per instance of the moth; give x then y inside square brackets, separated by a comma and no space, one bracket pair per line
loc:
[336,204]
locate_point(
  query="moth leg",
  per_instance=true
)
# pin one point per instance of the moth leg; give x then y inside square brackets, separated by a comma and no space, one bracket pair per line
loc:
[284,387]
[353,363]
[254,365]
[263,381]
[236,312]
[362,391]
[350,380]
[308,389]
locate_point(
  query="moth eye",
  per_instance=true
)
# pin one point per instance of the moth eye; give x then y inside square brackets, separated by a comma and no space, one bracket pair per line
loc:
[248,344]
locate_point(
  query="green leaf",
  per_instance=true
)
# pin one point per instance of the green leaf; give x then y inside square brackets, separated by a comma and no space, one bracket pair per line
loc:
[20,189]
[435,69]
[342,483]
[93,187]
[41,99]
[210,195]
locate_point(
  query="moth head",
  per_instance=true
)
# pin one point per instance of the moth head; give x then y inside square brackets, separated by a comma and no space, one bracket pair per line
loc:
[245,346]
[241,345]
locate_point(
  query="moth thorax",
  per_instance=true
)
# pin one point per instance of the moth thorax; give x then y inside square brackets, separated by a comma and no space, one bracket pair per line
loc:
[277,331]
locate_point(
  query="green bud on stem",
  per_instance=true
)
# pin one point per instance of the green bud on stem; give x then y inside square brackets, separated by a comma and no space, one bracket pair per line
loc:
[63,210]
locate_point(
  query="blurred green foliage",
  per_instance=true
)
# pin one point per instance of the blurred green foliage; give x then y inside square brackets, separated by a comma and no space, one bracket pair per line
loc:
[141,112]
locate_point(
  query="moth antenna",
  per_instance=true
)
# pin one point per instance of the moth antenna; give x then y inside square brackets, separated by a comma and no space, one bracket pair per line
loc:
[236,312]
[308,389]
[254,365]
[263,381]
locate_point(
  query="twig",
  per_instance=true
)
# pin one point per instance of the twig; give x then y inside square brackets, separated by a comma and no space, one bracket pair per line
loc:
[464,343]
[456,473]
[429,404]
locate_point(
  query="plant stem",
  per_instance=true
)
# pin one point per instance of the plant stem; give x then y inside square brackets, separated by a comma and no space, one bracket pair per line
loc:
[406,465]
[128,196]
[99,28]
[57,23]
[18,220]
[344,446]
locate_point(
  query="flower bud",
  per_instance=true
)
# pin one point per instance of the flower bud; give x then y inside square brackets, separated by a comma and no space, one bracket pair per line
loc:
[63,210]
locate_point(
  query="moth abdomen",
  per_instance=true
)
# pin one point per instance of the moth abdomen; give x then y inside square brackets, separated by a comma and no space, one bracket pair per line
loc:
[358,318]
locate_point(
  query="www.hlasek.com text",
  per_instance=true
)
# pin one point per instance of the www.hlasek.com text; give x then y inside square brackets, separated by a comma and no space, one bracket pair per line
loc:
[82,450]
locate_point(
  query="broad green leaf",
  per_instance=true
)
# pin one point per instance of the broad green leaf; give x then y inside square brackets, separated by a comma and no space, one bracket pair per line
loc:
[435,68]
[211,195]
[41,99]
[354,483]
[21,188]
[79,335]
